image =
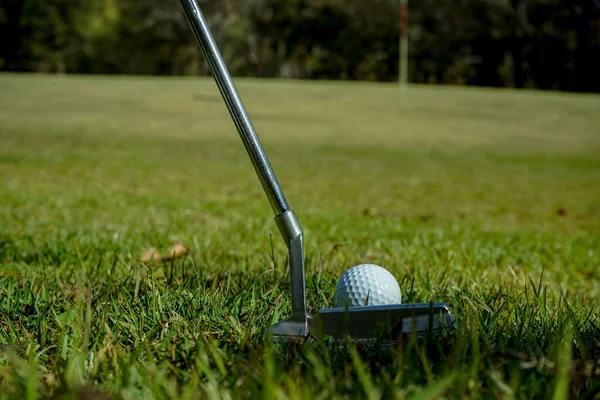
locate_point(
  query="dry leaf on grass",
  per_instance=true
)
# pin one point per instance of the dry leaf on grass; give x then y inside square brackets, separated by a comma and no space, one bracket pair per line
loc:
[151,256]
[176,251]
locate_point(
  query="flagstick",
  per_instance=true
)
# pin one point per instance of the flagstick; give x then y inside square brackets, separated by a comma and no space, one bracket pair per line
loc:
[403,73]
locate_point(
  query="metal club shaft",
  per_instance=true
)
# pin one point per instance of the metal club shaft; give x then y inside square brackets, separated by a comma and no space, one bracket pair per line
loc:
[236,107]
[288,224]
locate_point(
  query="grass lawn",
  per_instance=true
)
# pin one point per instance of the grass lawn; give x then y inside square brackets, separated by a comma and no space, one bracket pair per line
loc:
[488,200]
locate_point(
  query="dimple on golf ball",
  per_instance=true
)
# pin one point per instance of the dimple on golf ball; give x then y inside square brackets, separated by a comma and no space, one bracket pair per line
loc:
[367,281]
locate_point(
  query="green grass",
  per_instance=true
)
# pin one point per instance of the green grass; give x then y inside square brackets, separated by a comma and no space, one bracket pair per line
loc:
[488,200]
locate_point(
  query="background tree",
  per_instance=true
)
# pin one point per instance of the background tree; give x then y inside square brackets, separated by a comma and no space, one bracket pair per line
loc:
[545,44]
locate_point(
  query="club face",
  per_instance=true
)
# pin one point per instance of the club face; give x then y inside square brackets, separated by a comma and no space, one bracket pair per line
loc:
[388,323]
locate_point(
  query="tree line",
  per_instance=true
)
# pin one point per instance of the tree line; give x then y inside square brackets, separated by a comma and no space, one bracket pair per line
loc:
[544,44]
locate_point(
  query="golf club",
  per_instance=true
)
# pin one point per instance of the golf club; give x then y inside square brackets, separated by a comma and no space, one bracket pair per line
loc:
[361,323]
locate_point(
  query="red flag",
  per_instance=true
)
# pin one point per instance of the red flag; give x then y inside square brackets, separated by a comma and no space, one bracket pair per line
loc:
[403,20]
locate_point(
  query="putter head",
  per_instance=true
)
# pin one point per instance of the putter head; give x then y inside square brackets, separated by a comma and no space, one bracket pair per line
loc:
[388,323]
[362,323]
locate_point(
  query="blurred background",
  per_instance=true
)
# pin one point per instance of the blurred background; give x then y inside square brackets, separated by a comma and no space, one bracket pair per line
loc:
[542,44]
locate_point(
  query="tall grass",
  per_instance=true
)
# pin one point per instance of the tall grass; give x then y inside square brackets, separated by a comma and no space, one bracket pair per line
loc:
[484,199]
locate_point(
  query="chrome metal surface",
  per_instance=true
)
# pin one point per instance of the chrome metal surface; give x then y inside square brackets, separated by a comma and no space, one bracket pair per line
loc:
[288,224]
[290,328]
[236,107]
[290,229]
[387,323]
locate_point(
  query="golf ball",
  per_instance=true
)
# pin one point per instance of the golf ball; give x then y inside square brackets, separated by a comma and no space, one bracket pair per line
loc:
[367,281]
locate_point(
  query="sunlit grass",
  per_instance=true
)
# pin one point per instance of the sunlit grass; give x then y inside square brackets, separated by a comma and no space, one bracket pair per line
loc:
[484,199]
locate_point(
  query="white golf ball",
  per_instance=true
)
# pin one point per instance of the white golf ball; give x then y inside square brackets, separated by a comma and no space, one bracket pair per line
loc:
[367,280]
